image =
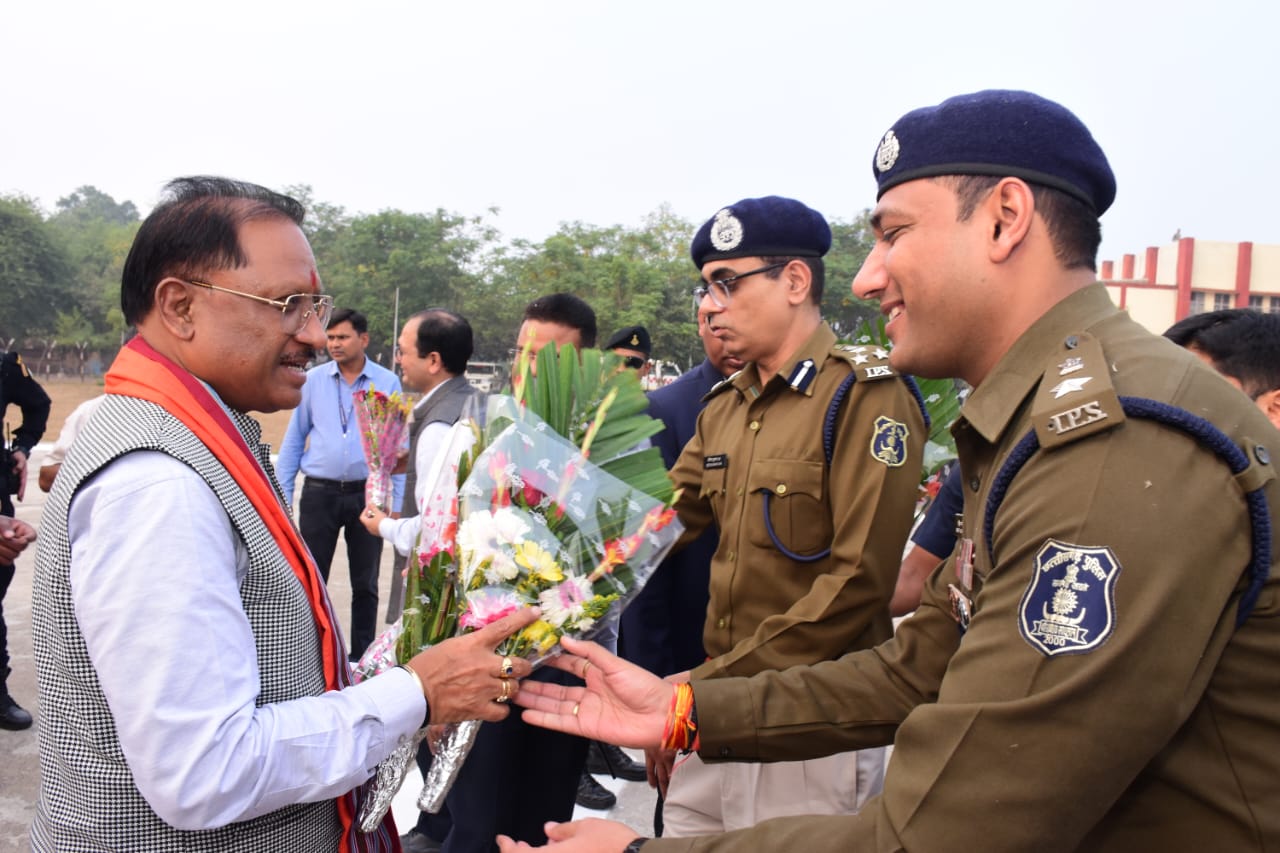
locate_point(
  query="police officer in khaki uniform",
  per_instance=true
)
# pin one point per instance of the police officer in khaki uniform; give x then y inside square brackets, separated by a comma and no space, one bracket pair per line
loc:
[19,388]
[809,546]
[1094,668]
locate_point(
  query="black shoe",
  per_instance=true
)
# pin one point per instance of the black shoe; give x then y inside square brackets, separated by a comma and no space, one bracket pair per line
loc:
[415,842]
[605,758]
[12,717]
[593,795]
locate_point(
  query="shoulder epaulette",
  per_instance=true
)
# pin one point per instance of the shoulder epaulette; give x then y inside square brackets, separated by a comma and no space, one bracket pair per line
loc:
[720,386]
[867,362]
[1076,398]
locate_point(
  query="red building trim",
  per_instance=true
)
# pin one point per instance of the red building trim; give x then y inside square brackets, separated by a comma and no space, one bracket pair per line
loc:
[1153,261]
[1186,257]
[1244,272]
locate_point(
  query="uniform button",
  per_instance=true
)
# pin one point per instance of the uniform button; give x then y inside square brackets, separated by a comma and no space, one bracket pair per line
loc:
[739,491]
[1262,454]
[754,425]
[730,556]
[720,622]
[1071,342]
[782,488]
[974,484]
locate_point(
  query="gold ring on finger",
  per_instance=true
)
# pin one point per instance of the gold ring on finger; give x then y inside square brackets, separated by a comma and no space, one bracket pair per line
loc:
[585,666]
[575,708]
[506,692]
[508,668]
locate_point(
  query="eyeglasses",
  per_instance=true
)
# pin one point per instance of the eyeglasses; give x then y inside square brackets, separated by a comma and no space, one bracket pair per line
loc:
[295,310]
[721,289]
[635,362]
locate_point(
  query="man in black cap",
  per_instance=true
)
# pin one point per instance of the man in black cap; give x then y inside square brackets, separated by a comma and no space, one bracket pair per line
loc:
[1093,668]
[633,344]
[18,387]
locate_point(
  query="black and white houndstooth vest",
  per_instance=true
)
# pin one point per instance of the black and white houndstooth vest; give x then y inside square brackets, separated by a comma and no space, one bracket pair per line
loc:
[88,800]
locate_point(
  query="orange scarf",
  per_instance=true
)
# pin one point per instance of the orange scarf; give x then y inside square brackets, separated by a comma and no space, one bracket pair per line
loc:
[139,371]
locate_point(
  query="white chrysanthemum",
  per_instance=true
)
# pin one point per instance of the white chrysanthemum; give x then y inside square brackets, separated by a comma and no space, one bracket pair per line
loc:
[501,568]
[485,537]
[563,602]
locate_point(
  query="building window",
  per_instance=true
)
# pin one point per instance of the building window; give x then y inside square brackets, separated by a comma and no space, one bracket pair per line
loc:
[1275,305]
[1221,301]
[1197,302]
[1255,302]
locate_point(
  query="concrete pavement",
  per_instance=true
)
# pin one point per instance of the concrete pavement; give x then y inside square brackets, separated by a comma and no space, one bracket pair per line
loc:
[20,767]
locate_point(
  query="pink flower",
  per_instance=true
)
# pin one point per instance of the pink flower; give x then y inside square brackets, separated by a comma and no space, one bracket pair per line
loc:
[488,605]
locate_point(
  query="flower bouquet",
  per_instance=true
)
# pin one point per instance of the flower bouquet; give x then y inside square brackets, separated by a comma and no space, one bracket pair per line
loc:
[384,423]
[553,505]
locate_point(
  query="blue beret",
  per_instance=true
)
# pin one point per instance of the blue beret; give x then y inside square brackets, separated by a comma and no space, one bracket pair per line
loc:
[762,227]
[1000,133]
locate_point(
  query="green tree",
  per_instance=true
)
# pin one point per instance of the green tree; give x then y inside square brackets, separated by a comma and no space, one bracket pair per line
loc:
[851,242]
[429,259]
[35,272]
[96,232]
[629,276]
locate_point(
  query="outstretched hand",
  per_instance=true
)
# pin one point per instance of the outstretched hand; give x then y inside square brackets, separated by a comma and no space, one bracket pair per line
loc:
[621,703]
[591,835]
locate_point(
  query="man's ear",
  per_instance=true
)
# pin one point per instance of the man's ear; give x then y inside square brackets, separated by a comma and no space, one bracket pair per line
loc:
[1010,209]
[798,279]
[1269,402]
[174,308]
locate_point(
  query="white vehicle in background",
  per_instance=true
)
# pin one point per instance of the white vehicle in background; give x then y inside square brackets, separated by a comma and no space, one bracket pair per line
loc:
[486,376]
[661,373]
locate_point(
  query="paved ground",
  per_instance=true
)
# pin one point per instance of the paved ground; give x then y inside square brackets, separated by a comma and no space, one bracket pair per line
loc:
[20,769]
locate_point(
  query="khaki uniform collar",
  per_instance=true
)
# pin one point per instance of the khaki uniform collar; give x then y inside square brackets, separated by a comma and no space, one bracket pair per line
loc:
[815,349]
[995,403]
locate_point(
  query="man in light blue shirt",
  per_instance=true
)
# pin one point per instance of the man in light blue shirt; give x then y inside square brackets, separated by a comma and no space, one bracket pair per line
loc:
[323,441]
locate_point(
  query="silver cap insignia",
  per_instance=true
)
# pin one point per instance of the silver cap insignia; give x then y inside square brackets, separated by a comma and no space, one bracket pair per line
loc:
[887,153]
[726,231]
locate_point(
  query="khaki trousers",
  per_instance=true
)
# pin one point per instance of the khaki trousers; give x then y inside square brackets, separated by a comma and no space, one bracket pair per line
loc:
[703,799]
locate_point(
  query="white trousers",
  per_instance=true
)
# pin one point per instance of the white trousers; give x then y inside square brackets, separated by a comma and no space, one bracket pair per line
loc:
[703,799]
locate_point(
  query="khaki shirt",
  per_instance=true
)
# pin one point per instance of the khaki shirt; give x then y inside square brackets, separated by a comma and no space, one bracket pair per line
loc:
[1155,729]
[766,610]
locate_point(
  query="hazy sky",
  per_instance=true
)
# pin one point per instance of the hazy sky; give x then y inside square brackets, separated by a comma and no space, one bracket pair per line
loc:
[603,111]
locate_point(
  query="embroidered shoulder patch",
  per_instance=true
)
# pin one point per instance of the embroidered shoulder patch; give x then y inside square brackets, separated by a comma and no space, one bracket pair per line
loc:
[1069,606]
[889,442]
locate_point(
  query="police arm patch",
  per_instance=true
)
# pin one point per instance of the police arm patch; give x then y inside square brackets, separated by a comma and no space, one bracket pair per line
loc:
[889,442]
[1069,607]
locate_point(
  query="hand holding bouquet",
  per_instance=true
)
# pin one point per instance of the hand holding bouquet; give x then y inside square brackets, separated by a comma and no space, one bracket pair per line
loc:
[384,422]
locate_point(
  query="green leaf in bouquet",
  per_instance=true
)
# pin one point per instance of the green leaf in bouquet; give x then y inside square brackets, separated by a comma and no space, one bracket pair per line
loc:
[643,471]
[569,393]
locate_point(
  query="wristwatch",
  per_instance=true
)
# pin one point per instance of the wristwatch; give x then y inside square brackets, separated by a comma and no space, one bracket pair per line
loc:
[635,845]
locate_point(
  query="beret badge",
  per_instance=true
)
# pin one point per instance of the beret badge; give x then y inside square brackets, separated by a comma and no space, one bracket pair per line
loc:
[726,231]
[887,153]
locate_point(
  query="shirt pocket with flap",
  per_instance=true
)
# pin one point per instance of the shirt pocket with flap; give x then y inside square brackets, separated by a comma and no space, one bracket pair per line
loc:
[796,510]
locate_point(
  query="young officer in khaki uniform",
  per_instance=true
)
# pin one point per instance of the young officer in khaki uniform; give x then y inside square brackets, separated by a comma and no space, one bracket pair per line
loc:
[1102,676]
[809,548]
